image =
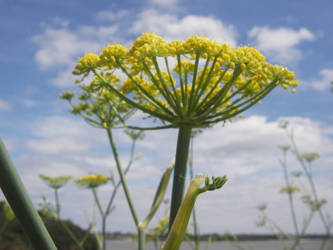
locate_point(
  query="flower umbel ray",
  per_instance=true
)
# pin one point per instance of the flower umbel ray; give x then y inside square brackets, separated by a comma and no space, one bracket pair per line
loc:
[210,82]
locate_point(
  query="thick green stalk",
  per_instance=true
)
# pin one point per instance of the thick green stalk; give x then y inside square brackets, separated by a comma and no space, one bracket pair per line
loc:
[21,204]
[142,238]
[183,143]
[178,229]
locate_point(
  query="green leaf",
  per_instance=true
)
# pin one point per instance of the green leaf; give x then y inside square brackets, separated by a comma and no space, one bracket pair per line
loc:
[160,192]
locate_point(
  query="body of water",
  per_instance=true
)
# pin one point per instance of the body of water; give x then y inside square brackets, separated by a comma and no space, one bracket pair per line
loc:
[307,244]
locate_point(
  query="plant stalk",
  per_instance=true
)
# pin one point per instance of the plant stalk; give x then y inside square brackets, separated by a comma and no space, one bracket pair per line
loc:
[194,216]
[141,234]
[290,195]
[19,200]
[56,197]
[183,143]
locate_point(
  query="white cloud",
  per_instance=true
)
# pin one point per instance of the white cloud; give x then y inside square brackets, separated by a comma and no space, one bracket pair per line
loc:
[172,28]
[61,48]
[164,3]
[245,150]
[249,145]
[322,84]
[55,126]
[56,145]
[280,44]
[144,172]
[109,15]
[64,78]
[4,106]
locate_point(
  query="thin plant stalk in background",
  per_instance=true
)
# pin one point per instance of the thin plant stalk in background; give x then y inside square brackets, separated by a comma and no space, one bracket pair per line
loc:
[103,109]
[316,204]
[56,183]
[92,182]
[312,201]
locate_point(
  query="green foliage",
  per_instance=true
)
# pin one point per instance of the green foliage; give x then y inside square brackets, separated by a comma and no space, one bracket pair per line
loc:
[12,233]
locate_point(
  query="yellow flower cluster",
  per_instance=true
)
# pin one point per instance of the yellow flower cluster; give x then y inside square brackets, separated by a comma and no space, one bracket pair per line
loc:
[88,62]
[55,182]
[208,81]
[309,157]
[92,181]
[161,226]
[289,189]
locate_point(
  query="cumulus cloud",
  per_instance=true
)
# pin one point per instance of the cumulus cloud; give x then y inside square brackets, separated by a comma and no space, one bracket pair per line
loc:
[164,3]
[324,82]
[108,15]
[4,106]
[59,48]
[280,44]
[249,145]
[56,145]
[245,150]
[171,27]
[62,46]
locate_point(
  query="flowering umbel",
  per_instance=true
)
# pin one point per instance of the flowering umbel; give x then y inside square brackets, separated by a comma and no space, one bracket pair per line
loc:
[196,82]
[55,182]
[92,180]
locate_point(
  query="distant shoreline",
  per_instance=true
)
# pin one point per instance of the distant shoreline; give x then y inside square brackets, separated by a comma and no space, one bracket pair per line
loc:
[219,237]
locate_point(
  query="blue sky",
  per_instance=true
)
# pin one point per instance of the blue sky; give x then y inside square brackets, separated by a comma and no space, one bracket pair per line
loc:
[41,41]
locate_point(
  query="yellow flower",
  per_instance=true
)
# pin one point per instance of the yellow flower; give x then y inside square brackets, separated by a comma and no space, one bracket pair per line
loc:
[55,182]
[88,62]
[289,189]
[208,82]
[92,181]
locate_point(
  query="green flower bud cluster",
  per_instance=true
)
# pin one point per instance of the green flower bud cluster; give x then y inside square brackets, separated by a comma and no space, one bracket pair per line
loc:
[309,157]
[314,205]
[215,183]
[55,182]
[99,107]
[289,189]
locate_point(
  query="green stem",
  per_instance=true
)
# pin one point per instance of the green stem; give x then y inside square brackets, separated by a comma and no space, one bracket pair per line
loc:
[56,197]
[290,195]
[103,232]
[72,235]
[312,185]
[142,238]
[183,142]
[19,200]
[63,224]
[122,178]
[194,216]
[141,235]
[100,209]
